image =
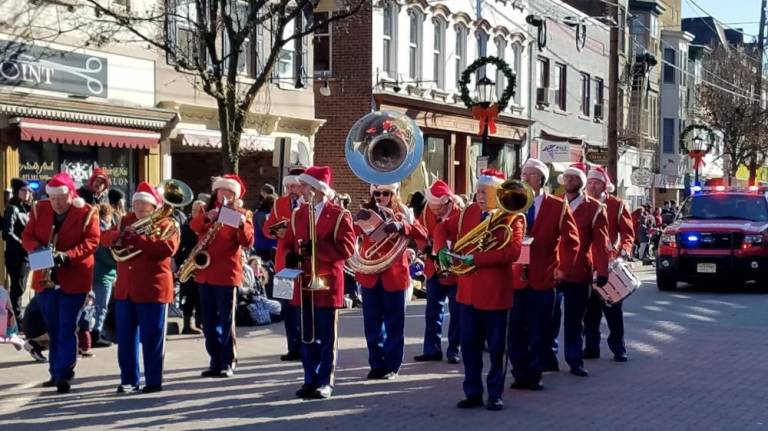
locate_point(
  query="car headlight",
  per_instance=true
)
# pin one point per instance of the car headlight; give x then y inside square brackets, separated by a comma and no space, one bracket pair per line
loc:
[753,239]
[668,239]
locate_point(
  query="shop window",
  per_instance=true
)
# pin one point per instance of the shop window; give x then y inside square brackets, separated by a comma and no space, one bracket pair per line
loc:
[504,156]
[434,158]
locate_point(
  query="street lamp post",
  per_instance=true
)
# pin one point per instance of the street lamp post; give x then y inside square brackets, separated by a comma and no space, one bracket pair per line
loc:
[697,147]
[485,93]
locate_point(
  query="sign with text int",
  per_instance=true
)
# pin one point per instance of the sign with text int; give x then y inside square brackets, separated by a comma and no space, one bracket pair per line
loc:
[77,74]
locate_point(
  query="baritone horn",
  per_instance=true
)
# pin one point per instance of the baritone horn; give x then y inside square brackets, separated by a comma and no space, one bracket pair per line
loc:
[512,197]
[175,194]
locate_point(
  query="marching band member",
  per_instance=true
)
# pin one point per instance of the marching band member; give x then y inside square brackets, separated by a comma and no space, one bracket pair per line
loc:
[144,288]
[218,282]
[575,288]
[552,253]
[334,244]
[620,239]
[71,228]
[441,205]
[484,294]
[384,292]
[275,227]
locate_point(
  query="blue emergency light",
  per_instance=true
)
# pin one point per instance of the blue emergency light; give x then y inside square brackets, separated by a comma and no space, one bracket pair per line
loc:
[34,185]
[693,238]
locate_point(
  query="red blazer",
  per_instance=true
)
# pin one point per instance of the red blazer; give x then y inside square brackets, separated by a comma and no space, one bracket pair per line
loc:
[396,277]
[281,210]
[488,286]
[147,277]
[621,233]
[225,250]
[78,238]
[334,245]
[429,221]
[593,242]
[555,244]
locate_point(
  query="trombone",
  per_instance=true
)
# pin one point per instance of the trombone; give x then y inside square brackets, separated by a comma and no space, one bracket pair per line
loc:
[315,282]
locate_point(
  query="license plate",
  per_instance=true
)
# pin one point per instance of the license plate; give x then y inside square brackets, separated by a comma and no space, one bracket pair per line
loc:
[706,268]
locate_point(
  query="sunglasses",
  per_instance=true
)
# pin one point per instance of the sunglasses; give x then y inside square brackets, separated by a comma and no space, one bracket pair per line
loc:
[385,193]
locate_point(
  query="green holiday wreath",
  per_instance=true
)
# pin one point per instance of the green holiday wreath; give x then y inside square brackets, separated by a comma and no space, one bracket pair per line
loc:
[501,65]
[695,128]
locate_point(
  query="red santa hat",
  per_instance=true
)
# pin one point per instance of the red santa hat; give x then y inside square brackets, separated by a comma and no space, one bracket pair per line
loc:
[439,193]
[576,169]
[98,173]
[394,188]
[62,184]
[146,193]
[231,182]
[598,173]
[539,166]
[491,177]
[319,178]
[293,176]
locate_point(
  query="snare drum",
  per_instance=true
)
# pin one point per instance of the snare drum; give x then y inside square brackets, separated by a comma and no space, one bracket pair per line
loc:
[621,283]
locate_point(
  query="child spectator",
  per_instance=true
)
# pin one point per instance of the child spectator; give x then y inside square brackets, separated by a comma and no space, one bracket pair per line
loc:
[85,322]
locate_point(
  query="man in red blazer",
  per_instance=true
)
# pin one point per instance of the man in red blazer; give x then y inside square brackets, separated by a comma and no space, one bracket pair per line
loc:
[485,293]
[442,204]
[275,227]
[334,244]
[384,292]
[71,228]
[575,289]
[553,251]
[218,282]
[621,237]
[143,290]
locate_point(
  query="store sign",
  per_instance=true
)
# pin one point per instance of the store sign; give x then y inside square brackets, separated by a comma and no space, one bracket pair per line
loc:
[29,66]
[42,171]
[642,177]
[596,155]
[555,152]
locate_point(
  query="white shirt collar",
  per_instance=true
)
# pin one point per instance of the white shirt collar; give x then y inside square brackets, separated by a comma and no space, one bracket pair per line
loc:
[574,203]
[537,202]
[319,209]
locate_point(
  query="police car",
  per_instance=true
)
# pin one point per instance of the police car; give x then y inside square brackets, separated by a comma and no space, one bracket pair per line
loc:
[721,233]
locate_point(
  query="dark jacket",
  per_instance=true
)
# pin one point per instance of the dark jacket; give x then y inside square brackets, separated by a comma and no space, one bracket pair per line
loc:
[90,198]
[187,241]
[15,218]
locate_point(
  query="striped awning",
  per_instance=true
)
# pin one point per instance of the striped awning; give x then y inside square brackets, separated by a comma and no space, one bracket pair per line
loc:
[63,132]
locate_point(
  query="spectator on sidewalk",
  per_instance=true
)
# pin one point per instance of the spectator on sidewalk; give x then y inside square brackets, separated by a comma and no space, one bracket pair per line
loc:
[104,274]
[96,189]
[15,218]
[85,323]
[264,247]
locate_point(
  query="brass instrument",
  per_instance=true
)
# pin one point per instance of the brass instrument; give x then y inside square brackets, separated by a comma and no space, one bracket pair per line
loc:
[315,282]
[175,194]
[513,197]
[383,148]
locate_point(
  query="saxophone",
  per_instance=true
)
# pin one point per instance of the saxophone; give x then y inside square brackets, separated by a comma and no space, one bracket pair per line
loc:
[198,258]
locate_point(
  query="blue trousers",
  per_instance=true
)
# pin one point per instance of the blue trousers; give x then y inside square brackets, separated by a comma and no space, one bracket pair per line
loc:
[217,307]
[614,316]
[102,290]
[291,320]
[60,312]
[478,328]
[434,316]
[319,357]
[143,323]
[384,324]
[575,297]
[530,333]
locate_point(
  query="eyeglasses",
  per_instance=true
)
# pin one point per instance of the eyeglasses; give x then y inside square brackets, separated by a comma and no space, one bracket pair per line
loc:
[385,193]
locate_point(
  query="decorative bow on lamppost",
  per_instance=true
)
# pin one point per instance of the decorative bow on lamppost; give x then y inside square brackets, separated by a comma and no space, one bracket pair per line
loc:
[484,106]
[485,110]
[698,146]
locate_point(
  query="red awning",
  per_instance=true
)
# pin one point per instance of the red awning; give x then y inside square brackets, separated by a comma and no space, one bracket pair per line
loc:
[62,132]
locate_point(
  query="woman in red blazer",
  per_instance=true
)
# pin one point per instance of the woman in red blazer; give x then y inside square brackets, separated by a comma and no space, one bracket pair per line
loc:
[218,282]
[144,288]
[72,228]
[384,292]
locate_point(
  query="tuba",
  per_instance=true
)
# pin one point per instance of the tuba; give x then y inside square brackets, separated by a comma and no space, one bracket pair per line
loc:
[513,197]
[175,194]
[383,148]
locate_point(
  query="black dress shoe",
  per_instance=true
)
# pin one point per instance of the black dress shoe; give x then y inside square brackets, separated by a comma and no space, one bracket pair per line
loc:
[376,373]
[51,383]
[520,384]
[537,385]
[290,356]
[621,358]
[435,357]
[149,389]
[470,403]
[210,373]
[454,360]
[591,355]
[63,386]
[579,371]
[495,404]
[305,392]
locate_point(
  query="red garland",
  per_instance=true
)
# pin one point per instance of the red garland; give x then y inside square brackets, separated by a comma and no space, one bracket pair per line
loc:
[698,158]
[486,116]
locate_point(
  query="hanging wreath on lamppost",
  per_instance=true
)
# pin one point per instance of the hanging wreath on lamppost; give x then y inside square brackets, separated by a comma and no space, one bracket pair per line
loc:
[484,109]
[697,147]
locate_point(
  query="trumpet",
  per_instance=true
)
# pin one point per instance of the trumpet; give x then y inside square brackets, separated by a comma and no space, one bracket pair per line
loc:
[513,197]
[175,194]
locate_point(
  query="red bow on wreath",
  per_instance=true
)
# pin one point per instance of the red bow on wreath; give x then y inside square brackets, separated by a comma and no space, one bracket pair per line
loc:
[486,116]
[698,158]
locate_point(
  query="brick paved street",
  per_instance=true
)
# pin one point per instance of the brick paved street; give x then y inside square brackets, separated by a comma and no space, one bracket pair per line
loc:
[698,362]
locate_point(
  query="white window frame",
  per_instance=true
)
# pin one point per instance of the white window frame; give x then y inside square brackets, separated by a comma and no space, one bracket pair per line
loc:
[438,51]
[389,42]
[320,35]
[586,96]
[517,54]
[287,51]
[462,34]
[415,43]
[561,88]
